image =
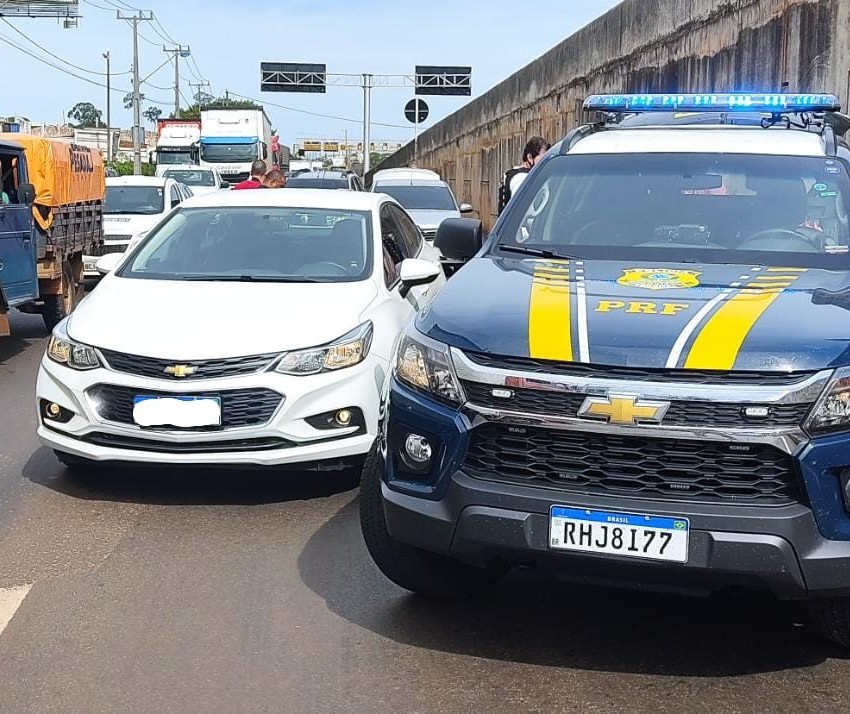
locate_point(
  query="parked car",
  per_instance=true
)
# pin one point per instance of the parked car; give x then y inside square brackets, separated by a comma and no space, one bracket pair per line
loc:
[134,205]
[347,180]
[252,327]
[429,201]
[199,179]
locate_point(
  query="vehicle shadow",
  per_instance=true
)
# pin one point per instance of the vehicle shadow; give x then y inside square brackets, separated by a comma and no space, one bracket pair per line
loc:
[535,619]
[26,331]
[185,486]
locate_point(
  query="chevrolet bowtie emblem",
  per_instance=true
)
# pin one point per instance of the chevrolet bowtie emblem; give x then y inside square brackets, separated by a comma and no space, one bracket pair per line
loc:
[180,370]
[624,409]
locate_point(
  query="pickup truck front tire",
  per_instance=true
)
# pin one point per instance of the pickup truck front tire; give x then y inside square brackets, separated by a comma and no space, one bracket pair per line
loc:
[420,571]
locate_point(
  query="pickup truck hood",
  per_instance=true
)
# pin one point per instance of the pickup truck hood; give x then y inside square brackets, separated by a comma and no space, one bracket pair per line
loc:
[180,320]
[642,315]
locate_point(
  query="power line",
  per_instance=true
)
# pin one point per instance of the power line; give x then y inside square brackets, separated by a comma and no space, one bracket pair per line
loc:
[315,114]
[55,56]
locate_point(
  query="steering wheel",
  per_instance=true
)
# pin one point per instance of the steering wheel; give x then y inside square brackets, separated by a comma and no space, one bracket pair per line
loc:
[788,233]
[304,269]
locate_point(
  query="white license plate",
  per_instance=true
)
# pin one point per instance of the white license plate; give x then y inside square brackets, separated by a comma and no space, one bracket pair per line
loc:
[90,266]
[630,535]
[184,412]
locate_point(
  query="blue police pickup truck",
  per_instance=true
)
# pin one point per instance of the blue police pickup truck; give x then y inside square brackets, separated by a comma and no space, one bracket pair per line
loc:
[643,375]
[51,214]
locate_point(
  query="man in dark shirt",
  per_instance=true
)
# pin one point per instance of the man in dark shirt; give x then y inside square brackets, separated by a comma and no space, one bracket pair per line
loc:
[258,172]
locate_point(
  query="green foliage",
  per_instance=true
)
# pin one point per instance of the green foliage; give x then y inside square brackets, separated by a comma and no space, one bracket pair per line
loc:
[194,112]
[125,168]
[86,115]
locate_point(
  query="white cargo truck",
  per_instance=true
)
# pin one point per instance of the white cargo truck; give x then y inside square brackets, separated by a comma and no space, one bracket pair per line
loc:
[232,139]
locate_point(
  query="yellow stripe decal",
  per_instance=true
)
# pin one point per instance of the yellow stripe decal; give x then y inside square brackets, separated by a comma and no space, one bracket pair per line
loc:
[719,342]
[549,332]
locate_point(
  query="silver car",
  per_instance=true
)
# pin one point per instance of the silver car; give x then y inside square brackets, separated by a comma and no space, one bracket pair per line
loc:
[428,201]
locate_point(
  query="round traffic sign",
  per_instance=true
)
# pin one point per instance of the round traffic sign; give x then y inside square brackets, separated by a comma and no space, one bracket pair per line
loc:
[416,111]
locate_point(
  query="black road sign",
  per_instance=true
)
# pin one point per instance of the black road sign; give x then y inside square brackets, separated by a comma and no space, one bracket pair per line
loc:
[416,111]
[292,77]
[445,81]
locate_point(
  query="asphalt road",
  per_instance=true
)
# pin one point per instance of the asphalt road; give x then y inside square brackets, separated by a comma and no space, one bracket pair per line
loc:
[147,591]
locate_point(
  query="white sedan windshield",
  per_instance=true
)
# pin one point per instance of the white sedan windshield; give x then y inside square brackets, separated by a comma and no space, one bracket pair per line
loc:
[257,244]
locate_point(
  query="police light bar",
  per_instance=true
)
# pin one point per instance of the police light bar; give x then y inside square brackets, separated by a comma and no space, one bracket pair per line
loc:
[730,102]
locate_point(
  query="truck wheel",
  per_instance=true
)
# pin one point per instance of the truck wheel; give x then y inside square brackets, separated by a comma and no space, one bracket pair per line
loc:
[830,618]
[57,307]
[420,571]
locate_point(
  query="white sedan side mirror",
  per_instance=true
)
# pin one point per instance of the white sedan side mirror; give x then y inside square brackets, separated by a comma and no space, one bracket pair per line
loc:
[466,208]
[107,263]
[415,271]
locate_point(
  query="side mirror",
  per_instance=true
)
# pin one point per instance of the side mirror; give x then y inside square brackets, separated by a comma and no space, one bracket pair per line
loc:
[459,238]
[26,194]
[107,263]
[226,184]
[415,272]
[466,208]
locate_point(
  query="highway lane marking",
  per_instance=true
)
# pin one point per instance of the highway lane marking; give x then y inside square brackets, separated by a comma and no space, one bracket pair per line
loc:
[10,601]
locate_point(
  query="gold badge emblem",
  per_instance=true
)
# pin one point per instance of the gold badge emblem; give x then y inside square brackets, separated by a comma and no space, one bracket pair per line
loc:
[624,409]
[659,278]
[180,370]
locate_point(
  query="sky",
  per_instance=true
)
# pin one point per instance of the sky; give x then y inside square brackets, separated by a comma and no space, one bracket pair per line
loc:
[229,38]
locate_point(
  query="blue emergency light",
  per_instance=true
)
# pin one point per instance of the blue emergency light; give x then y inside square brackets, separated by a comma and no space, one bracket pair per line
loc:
[728,102]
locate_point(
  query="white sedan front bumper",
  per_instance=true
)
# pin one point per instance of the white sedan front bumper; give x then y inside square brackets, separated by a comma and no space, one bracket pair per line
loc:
[285,437]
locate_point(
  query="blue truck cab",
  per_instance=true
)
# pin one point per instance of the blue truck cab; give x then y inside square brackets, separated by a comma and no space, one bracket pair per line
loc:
[643,376]
[51,204]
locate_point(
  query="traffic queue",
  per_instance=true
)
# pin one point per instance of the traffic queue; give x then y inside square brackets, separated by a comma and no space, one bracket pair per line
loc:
[614,395]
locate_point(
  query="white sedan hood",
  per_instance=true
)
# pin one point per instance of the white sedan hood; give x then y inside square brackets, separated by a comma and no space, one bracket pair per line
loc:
[182,320]
[128,225]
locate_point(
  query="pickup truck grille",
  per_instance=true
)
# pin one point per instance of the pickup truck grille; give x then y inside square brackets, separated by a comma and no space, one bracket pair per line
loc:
[614,465]
[239,407]
[204,369]
[680,413]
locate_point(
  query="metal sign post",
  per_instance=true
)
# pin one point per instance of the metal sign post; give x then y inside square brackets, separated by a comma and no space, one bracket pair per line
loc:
[416,111]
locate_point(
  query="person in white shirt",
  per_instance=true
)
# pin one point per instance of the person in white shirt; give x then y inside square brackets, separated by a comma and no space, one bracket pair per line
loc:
[534,150]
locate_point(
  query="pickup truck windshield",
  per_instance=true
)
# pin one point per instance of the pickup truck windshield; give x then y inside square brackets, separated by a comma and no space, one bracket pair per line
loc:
[714,208]
[421,198]
[257,244]
[142,200]
[192,178]
[229,153]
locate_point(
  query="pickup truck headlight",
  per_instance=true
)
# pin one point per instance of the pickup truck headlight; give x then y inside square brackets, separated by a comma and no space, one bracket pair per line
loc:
[347,351]
[425,364]
[64,350]
[832,411]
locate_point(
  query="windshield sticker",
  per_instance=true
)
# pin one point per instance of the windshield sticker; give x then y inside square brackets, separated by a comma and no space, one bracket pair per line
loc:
[833,169]
[836,249]
[659,278]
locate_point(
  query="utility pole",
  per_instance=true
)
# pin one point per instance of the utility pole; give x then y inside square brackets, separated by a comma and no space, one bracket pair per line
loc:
[108,109]
[179,52]
[198,94]
[367,120]
[137,100]
[347,161]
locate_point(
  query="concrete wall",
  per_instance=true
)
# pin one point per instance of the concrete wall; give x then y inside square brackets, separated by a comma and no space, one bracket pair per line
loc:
[640,45]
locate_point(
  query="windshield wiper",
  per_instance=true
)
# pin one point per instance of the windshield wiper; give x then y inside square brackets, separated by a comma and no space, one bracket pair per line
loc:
[538,252]
[248,278]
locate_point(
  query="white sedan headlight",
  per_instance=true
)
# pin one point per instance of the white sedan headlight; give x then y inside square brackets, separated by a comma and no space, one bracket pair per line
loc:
[347,351]
[64,350]
[425,364]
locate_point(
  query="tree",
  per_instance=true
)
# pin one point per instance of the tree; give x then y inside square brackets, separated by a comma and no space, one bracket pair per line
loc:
[194,112]
[128,100]
[152,114]
[86,115]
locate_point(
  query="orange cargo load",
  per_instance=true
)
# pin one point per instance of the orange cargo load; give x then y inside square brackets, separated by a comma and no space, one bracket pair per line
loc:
[62,172]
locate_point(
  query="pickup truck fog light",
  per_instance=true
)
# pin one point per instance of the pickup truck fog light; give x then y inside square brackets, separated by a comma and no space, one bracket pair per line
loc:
[417,452]
[51,411]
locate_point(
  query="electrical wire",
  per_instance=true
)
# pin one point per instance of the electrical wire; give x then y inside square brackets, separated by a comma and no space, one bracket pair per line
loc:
[314,114]
[61,59]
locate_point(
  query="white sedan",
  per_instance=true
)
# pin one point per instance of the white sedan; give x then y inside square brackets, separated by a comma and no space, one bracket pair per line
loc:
[247,327]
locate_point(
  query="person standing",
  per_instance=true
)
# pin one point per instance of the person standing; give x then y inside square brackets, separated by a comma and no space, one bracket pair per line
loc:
[258,173]
[534,150]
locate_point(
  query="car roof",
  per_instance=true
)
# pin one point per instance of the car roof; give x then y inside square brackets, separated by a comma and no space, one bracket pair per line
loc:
[137,180]
[329,174]
[407,173]
[700,138]
[413,182]
[303,198]
[185,167]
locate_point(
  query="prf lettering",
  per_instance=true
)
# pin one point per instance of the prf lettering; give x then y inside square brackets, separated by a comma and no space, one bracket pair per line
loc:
[642,308]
